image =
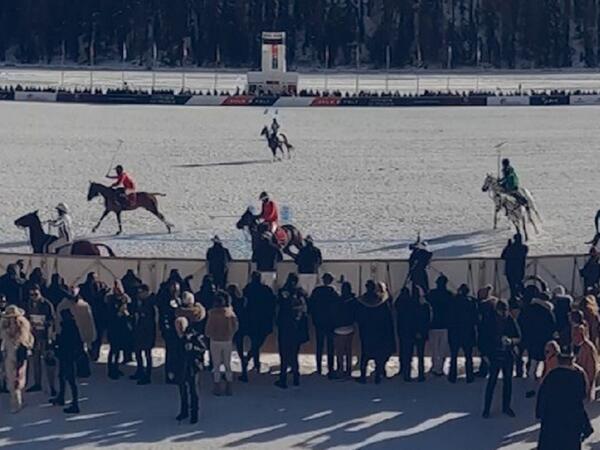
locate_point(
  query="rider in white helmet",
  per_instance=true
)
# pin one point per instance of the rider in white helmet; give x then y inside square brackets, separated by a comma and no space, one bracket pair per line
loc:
[64,226]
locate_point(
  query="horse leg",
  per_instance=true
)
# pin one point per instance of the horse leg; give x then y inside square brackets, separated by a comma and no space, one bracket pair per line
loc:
[524,222]
[104,214]
[162,218]
[531,221]
[118,214]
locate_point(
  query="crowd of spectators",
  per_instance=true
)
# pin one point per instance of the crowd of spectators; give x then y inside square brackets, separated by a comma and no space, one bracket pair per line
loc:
[548,337]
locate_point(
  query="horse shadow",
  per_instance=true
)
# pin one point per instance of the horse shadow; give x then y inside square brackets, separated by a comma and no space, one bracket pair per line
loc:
[224,164]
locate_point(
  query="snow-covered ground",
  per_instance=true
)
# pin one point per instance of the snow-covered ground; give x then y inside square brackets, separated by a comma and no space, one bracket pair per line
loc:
[318,415]
[230,80]
[363,181]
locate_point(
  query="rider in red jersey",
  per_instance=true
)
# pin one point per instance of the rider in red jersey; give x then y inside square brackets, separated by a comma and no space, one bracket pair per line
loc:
[269,213]
[125,186]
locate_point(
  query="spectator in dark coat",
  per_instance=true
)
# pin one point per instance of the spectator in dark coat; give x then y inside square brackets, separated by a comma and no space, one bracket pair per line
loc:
[538,327]
[131,283]
[343,330]
[404,307]
[560,407]
[266,255]
[12,286]
[37,277]
[563,304]
[240,307]
[168,300]
[320,308]
[292,326]
[206,295]
[260,311]
[504,335]
[57,290]
[462,332]
[440,299]
[218,259]
[515,260]
[69,348]
[308,260]
[486,310]
[418,261]
[119,328]
[590,272]
[143,309]
[188,358]
[94,292]
[376,329]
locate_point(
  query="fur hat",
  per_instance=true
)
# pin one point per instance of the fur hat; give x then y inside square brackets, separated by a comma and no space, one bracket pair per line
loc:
[13,311]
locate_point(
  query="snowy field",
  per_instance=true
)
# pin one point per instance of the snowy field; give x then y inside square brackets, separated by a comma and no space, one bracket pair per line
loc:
[318,415]
[404,81]
[363,182]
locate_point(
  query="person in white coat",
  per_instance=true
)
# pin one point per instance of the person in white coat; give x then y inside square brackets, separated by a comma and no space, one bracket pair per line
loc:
[64,225]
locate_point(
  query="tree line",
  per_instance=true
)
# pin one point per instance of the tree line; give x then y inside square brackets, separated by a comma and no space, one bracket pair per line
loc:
[320,33]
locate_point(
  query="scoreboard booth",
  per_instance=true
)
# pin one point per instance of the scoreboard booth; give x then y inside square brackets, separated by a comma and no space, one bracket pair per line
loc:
[273,77]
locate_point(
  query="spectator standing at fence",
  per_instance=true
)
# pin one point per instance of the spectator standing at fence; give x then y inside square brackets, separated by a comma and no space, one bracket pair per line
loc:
[376,329]
[82,312]
[169,299]
[320,308]
[309,260]
[120,324]
[563,304]
[538,327]
[486,311]
[343,316]
[586,357]
[418,261]
[17,342]
[218,259]
[69,349]
[260,310]
[514,256]
[462,332]
[505,334]
[57,290]
[12,286]
[292,327]
[131,283]
[404,307]
[239,303]
[143,309]
[94,292]
[221,326]
[590,272]
[589,307]
[266,255]
[188,358]
[41,316]
[440,300]
[560,407]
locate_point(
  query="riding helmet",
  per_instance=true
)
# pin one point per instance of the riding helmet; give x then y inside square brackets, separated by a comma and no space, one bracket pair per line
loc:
[263,196]
[506,162]
[62,207]
[119,168]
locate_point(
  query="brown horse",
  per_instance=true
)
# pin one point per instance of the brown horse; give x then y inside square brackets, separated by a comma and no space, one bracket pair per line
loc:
[39,240]
[144,200]
[293,237]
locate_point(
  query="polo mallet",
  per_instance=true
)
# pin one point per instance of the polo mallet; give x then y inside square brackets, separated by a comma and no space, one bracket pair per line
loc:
[112,161]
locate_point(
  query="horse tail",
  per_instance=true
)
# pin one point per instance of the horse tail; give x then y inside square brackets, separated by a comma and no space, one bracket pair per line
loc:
[157,194]
[285,141]
[107,248]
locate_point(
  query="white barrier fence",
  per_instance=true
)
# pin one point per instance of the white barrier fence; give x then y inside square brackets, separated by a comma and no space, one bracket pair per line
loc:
[475,272]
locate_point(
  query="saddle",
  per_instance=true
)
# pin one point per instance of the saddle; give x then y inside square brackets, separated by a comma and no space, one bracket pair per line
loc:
[280,236]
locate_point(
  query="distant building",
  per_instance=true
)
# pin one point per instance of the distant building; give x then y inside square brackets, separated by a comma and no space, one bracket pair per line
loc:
[273,77]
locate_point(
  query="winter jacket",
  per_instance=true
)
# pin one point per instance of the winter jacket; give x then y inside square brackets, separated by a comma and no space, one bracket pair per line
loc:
[144,323]
[83,317]
[13,288]
[320,307]
[292,317]
[240,306]
[418,261]
[440,299]
[563,304]
[120,322]
[195,314]
[40,314]
[69,346]
[260,308]
[376,326]
[131,283]
[485,332]
[501,328]
[221,325]
[309,259]
[266,256]
[188,356]
[218,259]
[343,312]
[514,256]
[462,322]
[538,326]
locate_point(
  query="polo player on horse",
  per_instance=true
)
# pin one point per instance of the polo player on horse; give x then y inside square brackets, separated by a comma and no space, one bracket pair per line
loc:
[269,214]
[125,187]
[510,182]
[64,225]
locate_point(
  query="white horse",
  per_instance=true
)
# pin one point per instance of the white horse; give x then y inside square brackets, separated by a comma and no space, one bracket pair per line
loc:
[516,212]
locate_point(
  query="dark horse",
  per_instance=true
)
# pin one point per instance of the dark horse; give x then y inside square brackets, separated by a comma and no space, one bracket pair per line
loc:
[39,240]
[144,200]
[277,141]
[293,237]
